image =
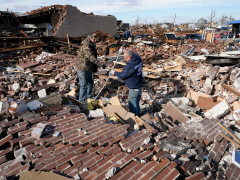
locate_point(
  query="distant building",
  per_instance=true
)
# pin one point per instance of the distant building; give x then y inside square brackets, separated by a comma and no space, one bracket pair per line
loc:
[192,25]
[211,25]
[202,22]
[166,26]
[183,26]
[235,26]
[223,22]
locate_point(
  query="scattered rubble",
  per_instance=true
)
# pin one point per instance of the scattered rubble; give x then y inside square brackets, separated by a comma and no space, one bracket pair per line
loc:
[189,128]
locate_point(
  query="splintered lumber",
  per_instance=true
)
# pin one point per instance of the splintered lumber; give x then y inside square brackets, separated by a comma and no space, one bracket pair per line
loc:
[172,123]
[69,43]
[229,139]
[228,105]
[149,76]
[222,126]
[147,126]
[168,125]
[23,47]
[231,89]
[31,73]
[144,69]
[23,33]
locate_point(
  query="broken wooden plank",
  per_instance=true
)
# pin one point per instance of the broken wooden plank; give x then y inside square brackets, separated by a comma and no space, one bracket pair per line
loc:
[23,47]
[115,101]
[144,69]
[147,126]
[231,89]
[222,126]
[206,103]
[173,113]
[119,118]
[229,139]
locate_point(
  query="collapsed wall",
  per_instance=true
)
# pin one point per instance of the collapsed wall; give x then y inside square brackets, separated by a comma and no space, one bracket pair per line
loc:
[77,23]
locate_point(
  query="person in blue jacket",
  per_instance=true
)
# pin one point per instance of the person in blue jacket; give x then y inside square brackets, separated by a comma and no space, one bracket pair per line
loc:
[127,34]
[132,74]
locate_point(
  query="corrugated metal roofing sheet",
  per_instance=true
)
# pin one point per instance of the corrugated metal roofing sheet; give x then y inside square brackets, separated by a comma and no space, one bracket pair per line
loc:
[234,22]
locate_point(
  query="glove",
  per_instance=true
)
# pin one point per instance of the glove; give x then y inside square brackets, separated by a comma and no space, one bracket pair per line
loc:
[102,65]
[111,73]
[121,50]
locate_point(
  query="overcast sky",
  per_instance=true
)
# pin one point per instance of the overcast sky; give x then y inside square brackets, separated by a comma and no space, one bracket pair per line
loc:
[148,10]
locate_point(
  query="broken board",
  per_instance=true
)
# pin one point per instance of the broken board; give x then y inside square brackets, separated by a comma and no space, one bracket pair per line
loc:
[115,101]
[206,103]
[174,114]
[40,175]
[131,119]
[109,109]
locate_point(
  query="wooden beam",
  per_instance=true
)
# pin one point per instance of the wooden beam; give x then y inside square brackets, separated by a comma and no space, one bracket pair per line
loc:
[229,106]
[229,139]
[149,76]
[68,41]
[144,69]
[24,33]
[119,118]
[231,89]
[31,73]
[147,126]
[222,126]
[23,47]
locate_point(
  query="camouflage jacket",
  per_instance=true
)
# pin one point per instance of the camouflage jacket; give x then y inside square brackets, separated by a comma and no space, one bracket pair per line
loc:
[87,57]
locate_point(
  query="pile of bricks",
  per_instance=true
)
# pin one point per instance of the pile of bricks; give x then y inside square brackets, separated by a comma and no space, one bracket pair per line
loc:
[89,148]
[47,8]
[180,138]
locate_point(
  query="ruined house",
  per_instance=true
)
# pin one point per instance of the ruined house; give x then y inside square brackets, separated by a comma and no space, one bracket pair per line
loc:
[56,20]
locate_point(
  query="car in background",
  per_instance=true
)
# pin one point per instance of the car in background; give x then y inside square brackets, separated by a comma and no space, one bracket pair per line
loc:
[217,36]
[218,29]
[193,36]
[141,35]
[172,36]
[221,34]
[225,28]
[227,37]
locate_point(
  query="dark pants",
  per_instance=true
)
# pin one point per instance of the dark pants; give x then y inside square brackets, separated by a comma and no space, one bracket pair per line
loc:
[134,99]
[86,85]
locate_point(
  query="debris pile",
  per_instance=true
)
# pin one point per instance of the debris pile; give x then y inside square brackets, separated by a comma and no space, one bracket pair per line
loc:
[189,126]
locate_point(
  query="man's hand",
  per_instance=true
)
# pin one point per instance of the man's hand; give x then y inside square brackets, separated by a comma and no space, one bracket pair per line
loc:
[111,73]
[102,65]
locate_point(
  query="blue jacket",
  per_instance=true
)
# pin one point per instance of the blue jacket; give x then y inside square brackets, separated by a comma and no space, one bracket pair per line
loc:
[132,72]
[127,34]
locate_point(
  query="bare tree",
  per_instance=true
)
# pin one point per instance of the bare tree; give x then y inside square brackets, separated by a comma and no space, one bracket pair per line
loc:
[212,17]
[222,19]
[137,20]
[145,21]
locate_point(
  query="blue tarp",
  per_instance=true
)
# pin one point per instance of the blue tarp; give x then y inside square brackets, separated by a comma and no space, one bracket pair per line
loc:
[234,22]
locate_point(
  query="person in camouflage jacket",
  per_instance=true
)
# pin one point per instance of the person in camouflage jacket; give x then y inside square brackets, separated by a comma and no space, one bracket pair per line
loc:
[87,56]
[86,64]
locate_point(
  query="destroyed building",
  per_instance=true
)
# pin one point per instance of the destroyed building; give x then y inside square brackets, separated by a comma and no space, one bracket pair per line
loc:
[57,21]
[189,127]
[122,26]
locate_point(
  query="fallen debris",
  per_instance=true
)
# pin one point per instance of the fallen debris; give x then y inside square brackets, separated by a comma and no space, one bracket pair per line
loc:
[189,127]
